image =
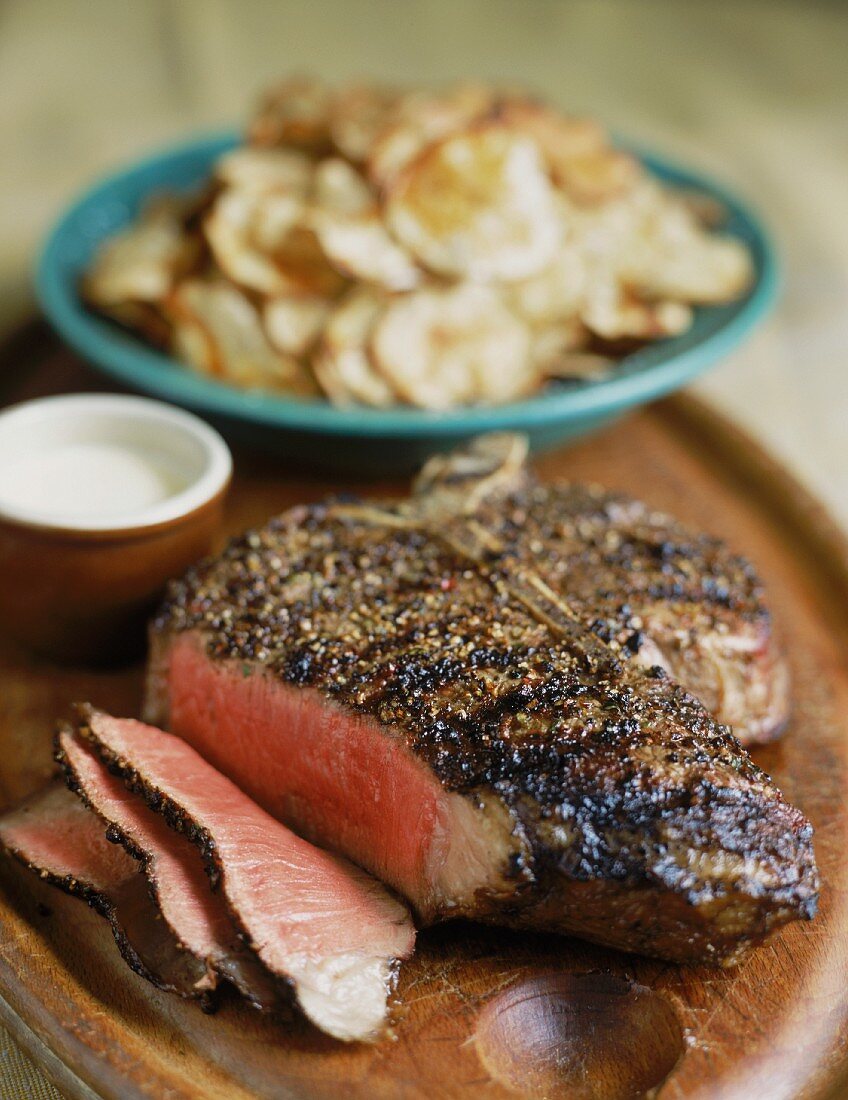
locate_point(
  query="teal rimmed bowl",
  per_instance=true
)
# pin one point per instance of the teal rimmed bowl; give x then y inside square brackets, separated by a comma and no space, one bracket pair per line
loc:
[365,440]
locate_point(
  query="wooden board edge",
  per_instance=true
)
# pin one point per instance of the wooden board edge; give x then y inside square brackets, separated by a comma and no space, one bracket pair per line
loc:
[747,467]
[785,500]
[57,1072]
[815,535]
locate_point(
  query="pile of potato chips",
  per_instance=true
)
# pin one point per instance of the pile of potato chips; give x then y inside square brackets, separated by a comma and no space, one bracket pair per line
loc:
[389,247]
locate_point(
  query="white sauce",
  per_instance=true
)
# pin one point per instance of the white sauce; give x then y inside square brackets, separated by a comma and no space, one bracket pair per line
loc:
[89,480]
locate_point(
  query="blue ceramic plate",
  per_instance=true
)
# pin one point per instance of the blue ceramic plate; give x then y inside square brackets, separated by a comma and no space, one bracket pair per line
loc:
[364,439]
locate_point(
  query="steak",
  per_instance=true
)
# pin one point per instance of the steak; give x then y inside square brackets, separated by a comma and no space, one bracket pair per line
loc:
[328,930]
[653,590]
[53,835]
[197,918]
[444,690]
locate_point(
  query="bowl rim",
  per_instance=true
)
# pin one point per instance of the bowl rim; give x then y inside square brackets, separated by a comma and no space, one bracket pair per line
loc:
[128,359]
[204,489]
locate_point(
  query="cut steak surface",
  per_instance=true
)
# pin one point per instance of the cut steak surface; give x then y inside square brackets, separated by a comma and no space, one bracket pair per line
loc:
[444,690]
[197,918]
[328,929]
[56,837]
[339,778]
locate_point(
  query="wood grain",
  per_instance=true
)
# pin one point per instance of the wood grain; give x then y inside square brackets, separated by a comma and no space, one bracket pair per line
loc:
[773,1028]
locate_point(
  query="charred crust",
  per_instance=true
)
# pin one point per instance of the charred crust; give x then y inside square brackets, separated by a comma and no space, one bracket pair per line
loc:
[390,624]
[114,834]
[174,815]
[105,907]
[177,820]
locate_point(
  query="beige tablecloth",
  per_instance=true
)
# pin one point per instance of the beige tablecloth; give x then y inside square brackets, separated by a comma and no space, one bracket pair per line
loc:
[18,1076]
[752,91]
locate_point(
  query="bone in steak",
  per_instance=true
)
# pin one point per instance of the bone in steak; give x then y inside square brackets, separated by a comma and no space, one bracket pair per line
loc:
[653,590]
[416,686]
[55,836]
[197,918]
[325,927]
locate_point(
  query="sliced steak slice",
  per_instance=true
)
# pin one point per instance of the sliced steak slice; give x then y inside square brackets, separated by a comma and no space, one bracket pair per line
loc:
[404,684]
[197,918]
[325,927]
[57,838]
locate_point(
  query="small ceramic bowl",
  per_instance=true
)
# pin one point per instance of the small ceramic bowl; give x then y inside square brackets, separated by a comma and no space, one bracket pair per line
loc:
[102,500]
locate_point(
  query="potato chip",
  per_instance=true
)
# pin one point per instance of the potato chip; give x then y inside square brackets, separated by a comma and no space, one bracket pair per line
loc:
[558,355]
[273,219]
[250,169]
[477,205]
[576,150]
[615,314]
[556,293]
[673,257]
[599,176]
[561,138]
[580,366]
[604,232]
[361,248]
[342,362]
[294,324]
[295,112]
[303,264]
[358,114]
[444,347]
[230,231]
[417,121]
[259,243]
[708,211]
[651,242]
[142,317]
[339,188]
[219,330]
[192,344]
[710,271]
[141,263]
[551,342]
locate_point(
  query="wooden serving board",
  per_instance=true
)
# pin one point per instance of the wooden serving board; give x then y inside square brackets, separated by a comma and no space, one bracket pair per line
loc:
[479,1012]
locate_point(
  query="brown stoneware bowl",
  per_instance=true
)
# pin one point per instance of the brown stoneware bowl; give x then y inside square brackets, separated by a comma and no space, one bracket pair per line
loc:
[102,500]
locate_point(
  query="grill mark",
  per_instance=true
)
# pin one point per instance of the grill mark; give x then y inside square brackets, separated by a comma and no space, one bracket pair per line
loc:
[590,718]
